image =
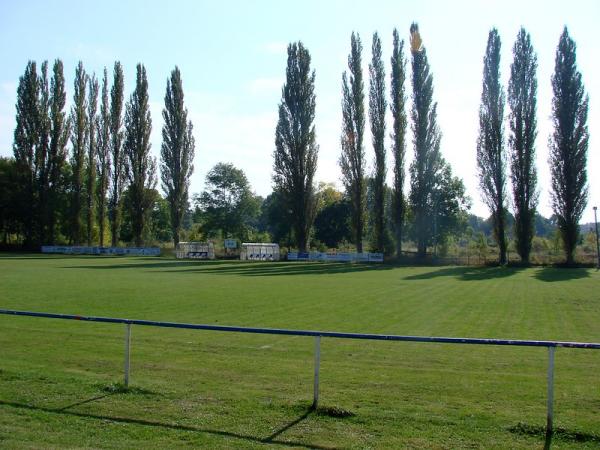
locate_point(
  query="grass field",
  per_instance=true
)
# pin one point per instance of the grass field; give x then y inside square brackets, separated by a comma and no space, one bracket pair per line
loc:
[59,379]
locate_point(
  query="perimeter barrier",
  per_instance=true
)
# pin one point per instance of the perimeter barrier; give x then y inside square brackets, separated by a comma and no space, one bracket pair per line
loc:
[551,345]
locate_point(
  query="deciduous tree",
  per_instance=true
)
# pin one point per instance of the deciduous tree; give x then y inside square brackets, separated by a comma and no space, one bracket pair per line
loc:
[398,106]
[377,108]
[296,150]
[141,166]
[522,99]
[491,155]
[352,160]
[568,144]
[177,152]
[117,176]
[103,155]
[427,164]
[79,139]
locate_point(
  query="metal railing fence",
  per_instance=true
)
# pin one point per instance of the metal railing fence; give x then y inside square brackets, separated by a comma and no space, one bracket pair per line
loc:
[551,345]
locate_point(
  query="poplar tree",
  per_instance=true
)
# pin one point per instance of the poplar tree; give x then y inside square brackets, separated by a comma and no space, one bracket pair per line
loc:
[568,144]
[79,138]
[377,107]
[26,140]
[352,160]
[491,155]
[177,152]
[522,99]
[103,155]
[41,154]
[117,173]
[295,155]
[427,164]
[57,155]
[141,166]
[91,156]
[398,107]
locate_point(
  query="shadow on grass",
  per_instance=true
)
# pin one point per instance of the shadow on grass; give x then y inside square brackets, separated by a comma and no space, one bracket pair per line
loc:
[257,269]
[466,273]
[551,274]
[559,434]
[133,421]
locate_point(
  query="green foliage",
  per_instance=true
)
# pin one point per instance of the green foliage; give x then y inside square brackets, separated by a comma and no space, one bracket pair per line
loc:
[352,160]
[522,99]
[568,145]
[398,106]
[332,224]
[141,166]
[296,150]
[427,164]
[103,156]
[93,123]
[491,156]
[177,152]
[227,204]
[117,173]
[26,146]
[79,140]
[11,209]
[377,108]
[57,156]
[275,218]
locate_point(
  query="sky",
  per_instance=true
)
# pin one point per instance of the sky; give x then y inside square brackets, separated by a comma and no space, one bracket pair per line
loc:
[232,57]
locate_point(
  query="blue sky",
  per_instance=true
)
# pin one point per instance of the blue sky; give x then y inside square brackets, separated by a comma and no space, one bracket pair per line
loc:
[232,58]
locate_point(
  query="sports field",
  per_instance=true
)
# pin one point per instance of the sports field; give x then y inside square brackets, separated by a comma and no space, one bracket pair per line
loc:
[59,380]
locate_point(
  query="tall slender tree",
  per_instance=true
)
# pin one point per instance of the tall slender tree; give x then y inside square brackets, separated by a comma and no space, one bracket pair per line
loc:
[398,107]
[26,141]
[522,99]
[568,144]
[177,152]
[141,166]
[79,139]
[103,155]
[41,154]
[91,157]
[352,160]
[296,150]
[491,155]
[59,137]
[377,108]
[117,175]
[427,164]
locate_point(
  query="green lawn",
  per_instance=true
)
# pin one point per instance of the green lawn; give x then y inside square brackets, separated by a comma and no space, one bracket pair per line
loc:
[59,379]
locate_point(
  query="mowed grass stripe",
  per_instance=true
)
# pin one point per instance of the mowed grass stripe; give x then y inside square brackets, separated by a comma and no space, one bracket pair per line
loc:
[237,390]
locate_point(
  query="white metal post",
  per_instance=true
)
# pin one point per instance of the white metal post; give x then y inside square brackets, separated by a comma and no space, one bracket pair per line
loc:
[550,390]
[317,365]
[127,348]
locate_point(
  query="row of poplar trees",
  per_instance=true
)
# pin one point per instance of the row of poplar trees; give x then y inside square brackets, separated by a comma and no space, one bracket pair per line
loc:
[108,156]
[295,156]
[568,144]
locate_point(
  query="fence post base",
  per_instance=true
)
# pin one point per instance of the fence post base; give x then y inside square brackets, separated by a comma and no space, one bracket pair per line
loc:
[315,403]
[127,351]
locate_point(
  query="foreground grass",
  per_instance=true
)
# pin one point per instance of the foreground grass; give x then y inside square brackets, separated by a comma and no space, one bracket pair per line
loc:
[59,379]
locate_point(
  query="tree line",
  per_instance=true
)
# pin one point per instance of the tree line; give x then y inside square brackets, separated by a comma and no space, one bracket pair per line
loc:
[62,193]
[436,200]
[57,195]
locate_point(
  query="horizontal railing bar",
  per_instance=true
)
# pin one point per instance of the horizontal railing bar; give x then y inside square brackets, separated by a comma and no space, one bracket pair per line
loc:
[330,334]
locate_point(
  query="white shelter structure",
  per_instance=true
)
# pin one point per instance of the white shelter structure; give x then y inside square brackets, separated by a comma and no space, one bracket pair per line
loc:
[195,250]
[253,251]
